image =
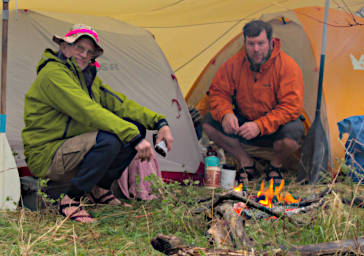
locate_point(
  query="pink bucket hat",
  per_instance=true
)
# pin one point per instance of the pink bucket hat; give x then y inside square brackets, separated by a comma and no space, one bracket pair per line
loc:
[76,32]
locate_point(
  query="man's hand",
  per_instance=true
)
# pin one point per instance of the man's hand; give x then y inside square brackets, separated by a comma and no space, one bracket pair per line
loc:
[230,123]
[165,134]
[144,150]
[249,130]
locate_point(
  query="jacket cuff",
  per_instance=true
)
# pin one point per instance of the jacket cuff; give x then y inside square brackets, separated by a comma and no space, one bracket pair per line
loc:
[223,113]
[160,124]
[135,141]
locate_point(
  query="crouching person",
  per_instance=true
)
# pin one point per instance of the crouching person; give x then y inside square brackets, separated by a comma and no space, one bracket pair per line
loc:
[256,98]
[78,129]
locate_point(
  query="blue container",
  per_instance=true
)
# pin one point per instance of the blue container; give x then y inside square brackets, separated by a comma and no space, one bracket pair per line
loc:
[211,161]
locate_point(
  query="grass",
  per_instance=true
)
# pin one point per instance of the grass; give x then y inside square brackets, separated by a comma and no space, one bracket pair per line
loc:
[128,231]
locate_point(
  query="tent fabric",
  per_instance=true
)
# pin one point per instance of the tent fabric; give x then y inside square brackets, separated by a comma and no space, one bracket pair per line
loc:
[300,31]
[132,63]
[190,32]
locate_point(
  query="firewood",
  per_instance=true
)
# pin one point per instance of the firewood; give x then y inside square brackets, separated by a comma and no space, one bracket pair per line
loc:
[239,197]
[172,245]
[235,226]
[351,247]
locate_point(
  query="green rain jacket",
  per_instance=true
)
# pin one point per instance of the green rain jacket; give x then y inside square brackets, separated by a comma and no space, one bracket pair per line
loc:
[59,105]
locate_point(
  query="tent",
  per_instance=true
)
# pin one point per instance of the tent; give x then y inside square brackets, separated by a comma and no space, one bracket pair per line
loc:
[190,32]
[132,63]
[300,31]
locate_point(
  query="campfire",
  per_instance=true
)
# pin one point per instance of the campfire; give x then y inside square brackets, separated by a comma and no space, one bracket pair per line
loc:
[271,194]
[267,197]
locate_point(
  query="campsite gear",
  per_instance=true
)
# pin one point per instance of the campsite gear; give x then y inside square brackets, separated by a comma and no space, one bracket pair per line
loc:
[171,21]
[132,182]
[133,64]
[315,149]
[228,173]
[29,193]
[354,146]
[212,177]
[211,161]
[76,32]
[212,170]
[9,176]
[301,31]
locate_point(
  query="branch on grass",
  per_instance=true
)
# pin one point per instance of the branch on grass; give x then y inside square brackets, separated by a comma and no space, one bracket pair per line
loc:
[172,245]
[351,247]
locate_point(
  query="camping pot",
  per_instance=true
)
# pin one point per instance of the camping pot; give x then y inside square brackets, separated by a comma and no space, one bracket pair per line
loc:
[228,173]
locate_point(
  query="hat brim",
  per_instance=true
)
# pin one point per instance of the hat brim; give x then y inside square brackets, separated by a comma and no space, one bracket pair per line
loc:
[71,40]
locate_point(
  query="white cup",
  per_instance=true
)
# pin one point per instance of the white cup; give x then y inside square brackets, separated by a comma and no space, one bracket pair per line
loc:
[227,178]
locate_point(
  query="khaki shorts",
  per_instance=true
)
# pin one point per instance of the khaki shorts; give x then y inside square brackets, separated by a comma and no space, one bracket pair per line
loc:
[69,155]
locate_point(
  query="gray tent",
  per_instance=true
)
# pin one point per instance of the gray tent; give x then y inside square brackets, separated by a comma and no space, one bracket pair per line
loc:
[132,63]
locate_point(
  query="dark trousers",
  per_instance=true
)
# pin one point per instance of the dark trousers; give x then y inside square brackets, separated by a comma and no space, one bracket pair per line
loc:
[103,164]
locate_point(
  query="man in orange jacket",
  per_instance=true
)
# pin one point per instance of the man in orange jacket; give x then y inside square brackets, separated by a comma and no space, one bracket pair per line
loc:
[256,98]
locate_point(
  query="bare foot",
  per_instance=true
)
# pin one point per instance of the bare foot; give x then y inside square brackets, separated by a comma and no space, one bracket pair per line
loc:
[73,210]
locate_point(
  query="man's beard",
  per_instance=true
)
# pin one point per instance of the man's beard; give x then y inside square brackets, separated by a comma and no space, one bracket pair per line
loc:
[256,66]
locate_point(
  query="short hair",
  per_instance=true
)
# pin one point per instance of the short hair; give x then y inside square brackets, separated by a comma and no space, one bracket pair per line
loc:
[255,27]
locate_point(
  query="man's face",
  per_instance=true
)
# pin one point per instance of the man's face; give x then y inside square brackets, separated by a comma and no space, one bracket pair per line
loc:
[83,51]
[257,48]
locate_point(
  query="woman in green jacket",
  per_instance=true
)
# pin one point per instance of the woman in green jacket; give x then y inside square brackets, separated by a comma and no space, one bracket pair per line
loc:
[78,129]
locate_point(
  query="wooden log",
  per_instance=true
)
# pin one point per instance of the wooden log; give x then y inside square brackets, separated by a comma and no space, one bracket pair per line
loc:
[234,226]
[219,234]
[351,247]
[172,245]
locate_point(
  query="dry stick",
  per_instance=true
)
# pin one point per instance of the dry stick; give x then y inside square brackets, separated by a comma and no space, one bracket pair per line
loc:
[74,239]
[316,199]
[146,217]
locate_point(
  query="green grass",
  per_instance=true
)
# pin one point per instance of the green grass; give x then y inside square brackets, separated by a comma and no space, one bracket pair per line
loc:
[128,231]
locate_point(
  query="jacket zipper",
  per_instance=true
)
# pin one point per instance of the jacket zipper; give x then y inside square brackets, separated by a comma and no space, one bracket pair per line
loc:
[111,93]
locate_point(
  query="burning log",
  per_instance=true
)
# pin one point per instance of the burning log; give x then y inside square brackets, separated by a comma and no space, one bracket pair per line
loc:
[239,197]
[172,245]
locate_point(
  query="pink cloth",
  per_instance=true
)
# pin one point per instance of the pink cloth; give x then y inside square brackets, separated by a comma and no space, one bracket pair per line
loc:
[128,180]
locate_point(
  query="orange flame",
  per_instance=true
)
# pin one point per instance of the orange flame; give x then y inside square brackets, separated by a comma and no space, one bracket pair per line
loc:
[239,188]
[269,194]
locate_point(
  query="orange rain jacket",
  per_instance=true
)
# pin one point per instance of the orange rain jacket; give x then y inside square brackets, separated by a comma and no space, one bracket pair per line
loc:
[271,97]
